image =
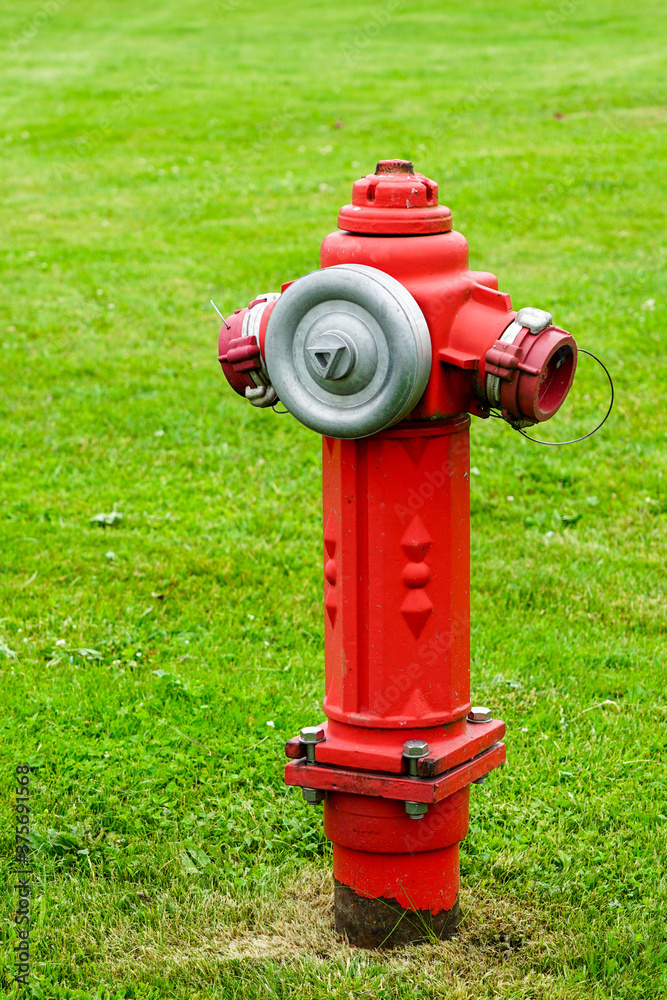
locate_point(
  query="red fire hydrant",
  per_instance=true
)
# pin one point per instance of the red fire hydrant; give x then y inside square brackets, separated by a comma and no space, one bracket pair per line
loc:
[386,351]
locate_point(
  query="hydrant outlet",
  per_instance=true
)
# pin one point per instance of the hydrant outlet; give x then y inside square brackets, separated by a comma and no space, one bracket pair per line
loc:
[529,372]
[241,351]
[348,350]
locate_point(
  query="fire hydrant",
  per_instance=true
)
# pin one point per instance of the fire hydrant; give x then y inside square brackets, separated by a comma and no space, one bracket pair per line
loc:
[386,351]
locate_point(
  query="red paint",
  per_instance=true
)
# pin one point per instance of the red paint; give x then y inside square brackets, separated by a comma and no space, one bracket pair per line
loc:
[418,881]
[381,825]
[397,651]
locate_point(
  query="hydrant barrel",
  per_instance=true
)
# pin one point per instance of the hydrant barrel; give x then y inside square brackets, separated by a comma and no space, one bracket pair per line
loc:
[396,566]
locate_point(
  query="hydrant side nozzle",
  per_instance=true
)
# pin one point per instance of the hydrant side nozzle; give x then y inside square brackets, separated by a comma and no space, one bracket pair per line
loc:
[529,370]
[348,350]
[241,350]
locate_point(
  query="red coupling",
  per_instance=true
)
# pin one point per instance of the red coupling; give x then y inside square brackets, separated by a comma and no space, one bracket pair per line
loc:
[240,351]
[231,336]
[529,378]
[243,354]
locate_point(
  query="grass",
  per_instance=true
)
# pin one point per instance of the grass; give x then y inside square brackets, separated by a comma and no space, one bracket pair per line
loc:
[159,155]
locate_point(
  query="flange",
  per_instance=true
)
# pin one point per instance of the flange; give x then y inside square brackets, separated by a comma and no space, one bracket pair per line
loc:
[348,350]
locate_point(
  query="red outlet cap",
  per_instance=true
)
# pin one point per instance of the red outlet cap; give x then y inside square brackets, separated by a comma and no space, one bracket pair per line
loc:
[395,201]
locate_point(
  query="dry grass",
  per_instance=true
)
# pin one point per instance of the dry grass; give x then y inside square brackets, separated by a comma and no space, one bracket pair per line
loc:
[502,943]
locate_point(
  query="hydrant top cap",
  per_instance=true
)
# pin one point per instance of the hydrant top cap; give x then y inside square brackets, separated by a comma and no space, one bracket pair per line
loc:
[395,201]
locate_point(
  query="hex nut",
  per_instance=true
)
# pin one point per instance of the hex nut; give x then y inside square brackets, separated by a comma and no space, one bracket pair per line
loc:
[480,714]
[312,734]
[313,796]
[416,810]
[480,781]
[415,748]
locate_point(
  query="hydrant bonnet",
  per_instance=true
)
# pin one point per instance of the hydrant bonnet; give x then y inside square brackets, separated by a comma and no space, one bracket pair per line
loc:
[395,201]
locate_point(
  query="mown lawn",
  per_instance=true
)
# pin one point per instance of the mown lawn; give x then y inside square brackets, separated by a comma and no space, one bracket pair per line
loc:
[159,155]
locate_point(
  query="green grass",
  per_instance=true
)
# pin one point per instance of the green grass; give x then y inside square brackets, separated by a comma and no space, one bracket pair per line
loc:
[159,155]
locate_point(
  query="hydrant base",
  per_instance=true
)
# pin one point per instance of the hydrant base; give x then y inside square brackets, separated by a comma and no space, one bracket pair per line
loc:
[384,923]
[385,900]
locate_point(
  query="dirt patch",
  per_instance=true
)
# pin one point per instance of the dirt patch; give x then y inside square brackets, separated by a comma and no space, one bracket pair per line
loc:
[298,924]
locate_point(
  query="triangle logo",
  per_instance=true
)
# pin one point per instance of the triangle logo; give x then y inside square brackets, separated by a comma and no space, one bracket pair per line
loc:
[327,360]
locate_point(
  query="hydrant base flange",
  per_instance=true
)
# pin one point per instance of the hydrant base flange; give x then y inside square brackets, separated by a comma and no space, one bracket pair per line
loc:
[394,786]
[382,749]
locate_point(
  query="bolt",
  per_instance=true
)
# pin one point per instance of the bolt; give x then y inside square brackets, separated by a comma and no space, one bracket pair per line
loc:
[313,796]
[414,750]
[416,810]
[479,714]
[310,736]
[480,781]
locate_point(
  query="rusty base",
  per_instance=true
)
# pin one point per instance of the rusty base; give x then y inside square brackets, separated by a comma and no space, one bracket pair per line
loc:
[376,923]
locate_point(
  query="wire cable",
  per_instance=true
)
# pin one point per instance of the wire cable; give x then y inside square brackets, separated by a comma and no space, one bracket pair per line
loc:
[557,444]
